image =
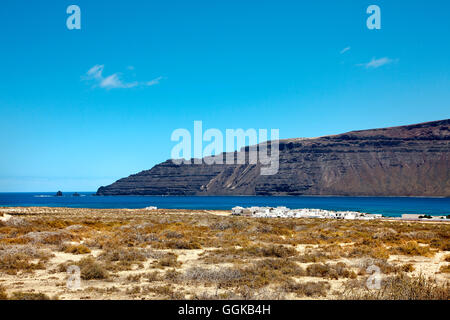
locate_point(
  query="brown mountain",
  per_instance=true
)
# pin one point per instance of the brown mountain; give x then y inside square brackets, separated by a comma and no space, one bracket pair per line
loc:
[410,160]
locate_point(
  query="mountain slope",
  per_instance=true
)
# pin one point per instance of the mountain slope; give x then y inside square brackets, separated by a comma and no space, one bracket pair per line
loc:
[411,160]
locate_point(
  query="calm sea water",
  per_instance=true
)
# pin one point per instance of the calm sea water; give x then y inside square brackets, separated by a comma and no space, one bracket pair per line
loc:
[388,206]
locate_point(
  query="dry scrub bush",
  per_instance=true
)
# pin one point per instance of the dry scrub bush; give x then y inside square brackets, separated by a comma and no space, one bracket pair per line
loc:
[441,244]
[228,295]
[123,258]
[218,275]
[264,272]
[33,252]
[445,269]
[309,289]
[412,248]
[16,258]
[134,277]
[247,293]
[180,244]
[229,224]
[253,277]
[402,287]
[384,265]
[386,234]
[322,254]
[237,255]
[407,267]
[107,291]
[90,269]
[379,252]
[11,264]
[172,276]
[48,237]
[133,291]
[122,254]
[16,222]
[168,260]
[3,295]
[153,276]
[103,225]
[29,296]
[278,251]
[76,227]
[325,270]
[75,249]
[167,291]
[280,267]
[173,234]
[243,293]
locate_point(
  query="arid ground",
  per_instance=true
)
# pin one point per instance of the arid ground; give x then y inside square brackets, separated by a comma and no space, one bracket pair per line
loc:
[186,254]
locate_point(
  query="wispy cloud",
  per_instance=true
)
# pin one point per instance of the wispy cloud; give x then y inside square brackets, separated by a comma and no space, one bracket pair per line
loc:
[114,81]
[95,72]
[154,81]
[345,50]
[376,63]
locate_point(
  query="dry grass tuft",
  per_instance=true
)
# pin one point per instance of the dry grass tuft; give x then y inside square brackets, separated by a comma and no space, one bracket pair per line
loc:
[403,287]
[29,296]
[153,276]
[309,289]
[14,258]
[182,244]
[220,276]
[168,260]
[76,249]
[167,291]
[92,270]
[412,248]
[407,267]
[3,294]
[48,237]
[330,271]
[445,269]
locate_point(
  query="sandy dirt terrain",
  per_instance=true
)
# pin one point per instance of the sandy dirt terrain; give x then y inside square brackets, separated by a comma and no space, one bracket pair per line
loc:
[196,254]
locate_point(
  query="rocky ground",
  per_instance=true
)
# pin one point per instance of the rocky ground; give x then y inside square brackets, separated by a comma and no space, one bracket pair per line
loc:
[185,254]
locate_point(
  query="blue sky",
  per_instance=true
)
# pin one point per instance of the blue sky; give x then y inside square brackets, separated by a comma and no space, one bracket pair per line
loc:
[308,68]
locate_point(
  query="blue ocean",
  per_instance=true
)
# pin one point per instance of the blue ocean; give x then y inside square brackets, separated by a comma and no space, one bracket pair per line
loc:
[388,206]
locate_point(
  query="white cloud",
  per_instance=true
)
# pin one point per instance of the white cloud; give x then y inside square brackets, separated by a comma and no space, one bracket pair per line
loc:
[114,81]
[154,81]
[376,63]
[345,50]
[95,72]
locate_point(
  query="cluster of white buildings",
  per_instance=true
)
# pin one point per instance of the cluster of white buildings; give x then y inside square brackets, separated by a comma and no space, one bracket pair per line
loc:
[283,212]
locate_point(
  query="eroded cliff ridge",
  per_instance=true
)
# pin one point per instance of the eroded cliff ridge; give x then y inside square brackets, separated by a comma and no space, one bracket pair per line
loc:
[409,160]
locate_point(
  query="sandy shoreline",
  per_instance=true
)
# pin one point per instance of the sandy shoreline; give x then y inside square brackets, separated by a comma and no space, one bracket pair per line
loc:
[58,210]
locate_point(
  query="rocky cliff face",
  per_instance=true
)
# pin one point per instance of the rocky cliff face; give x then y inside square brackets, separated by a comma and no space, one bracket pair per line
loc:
[410,160]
